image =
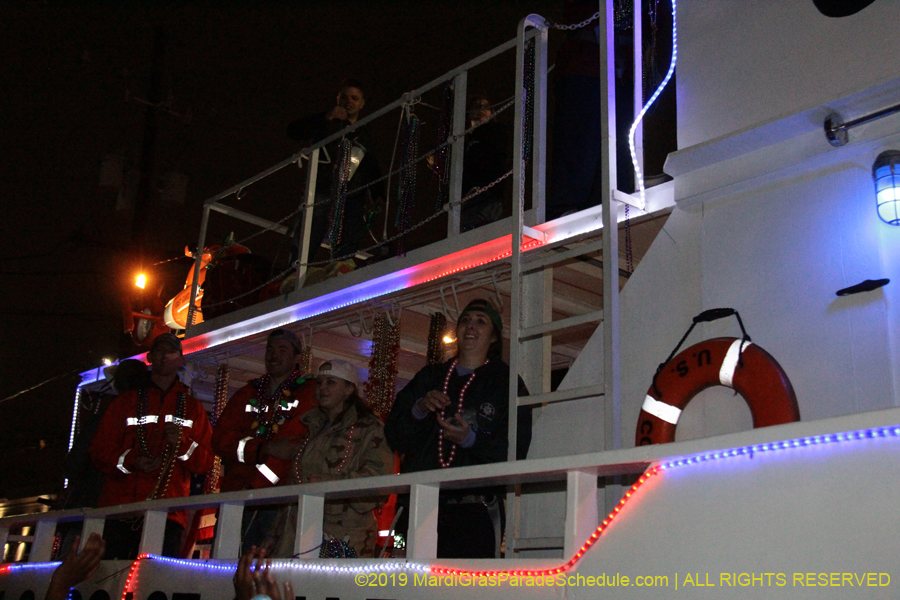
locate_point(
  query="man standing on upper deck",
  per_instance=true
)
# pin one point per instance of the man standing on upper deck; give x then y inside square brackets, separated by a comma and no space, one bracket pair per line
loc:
[260,430]
[313,128]
[149,442]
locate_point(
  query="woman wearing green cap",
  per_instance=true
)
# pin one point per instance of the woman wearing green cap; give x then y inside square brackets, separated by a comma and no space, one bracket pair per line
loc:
[457,414]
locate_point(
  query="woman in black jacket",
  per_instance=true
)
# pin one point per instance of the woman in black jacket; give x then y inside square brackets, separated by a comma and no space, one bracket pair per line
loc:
[457,414]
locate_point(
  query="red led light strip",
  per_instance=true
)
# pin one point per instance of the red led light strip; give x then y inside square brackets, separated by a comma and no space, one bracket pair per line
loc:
[131,580]
[526,246]
[581,551]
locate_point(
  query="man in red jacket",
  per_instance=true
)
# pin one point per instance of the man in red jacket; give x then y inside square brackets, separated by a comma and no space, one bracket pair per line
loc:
[259,430]
[149,442]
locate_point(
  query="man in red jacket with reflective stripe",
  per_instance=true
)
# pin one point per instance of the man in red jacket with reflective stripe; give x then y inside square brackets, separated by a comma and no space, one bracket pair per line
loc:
[259,430]
[149,442]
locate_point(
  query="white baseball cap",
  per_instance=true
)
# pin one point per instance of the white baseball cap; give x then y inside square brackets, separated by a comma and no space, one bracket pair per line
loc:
[340,369]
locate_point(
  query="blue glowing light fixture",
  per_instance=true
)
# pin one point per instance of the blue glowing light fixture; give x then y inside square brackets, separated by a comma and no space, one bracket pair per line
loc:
[886,173]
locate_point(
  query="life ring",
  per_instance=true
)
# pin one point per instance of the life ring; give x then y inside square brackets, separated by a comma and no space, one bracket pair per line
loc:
[738,364]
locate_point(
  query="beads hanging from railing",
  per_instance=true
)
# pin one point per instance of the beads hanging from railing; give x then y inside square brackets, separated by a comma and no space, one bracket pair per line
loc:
[436,338]
[383,365]
[406,191]
[220,398]
[442,154]
[339,194]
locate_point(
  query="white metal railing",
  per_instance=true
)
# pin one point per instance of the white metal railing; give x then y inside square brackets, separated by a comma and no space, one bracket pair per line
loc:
[459,77]
[580,472]
[423,488]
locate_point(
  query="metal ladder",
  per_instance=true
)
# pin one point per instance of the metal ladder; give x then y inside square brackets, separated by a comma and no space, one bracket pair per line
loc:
[531,292]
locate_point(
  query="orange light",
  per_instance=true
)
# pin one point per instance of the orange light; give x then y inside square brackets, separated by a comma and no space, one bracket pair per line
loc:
[141,281]
[448,339]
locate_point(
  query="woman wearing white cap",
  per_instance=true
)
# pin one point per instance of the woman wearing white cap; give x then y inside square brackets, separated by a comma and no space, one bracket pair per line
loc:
[345,440]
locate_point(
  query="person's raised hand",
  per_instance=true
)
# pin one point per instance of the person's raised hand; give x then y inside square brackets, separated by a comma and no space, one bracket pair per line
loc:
[250,581]
[76,566]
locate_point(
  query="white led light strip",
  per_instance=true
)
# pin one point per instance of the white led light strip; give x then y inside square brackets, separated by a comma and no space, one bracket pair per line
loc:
[638,176]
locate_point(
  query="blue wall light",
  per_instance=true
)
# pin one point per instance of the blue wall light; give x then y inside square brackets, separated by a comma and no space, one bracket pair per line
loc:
[886,173]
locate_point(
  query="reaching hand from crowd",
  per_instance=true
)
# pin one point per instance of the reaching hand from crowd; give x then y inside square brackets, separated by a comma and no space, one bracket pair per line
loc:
[76,567]
[251,582]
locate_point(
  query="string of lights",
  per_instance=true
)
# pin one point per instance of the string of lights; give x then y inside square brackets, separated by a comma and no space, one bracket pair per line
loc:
[790,445]
[638,175]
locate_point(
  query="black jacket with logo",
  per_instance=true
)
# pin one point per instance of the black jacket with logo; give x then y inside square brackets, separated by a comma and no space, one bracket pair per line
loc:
[486,403]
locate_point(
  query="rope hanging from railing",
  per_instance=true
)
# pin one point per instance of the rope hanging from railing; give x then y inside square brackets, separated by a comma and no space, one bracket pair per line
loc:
[383,365]
[406,191]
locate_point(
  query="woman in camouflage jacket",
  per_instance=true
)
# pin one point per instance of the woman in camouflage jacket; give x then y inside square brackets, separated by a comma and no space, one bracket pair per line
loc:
[345,440]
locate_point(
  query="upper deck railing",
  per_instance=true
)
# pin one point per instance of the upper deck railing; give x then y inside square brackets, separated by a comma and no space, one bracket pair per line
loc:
[455,142]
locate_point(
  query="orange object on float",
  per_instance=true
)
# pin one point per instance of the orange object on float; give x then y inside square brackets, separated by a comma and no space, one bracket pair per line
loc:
[738,364]
[176,311]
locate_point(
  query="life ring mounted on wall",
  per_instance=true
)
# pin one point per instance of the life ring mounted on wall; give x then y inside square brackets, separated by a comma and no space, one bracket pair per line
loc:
[735,363]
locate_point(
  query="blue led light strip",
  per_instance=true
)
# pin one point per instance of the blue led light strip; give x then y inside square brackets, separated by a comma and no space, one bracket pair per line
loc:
[815,440]
[892,431]
[638,176]
[26,566]
[288,564]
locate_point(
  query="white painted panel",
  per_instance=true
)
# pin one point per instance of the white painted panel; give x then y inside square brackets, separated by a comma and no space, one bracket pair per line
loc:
[825,509]
[745,63]
[657,305]
[778,255]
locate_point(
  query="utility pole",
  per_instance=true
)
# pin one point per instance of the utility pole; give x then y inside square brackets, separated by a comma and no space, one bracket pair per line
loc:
[148,146]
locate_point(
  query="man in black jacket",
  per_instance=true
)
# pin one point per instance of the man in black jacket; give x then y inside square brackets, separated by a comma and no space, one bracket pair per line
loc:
[457,414]
[347,223]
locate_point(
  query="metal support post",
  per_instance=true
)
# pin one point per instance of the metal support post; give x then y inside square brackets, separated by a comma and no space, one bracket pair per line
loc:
[44,536]
[227,545]
[581,510]
[421,542]
[4,540]
[310,514]
[539,139]
[198,261]
[154,532]
[612,383]
[306,247]
[519,167]
[91,525]
[457,152]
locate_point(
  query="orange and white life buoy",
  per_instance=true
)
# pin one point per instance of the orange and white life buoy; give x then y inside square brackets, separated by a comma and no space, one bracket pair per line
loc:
[734,363]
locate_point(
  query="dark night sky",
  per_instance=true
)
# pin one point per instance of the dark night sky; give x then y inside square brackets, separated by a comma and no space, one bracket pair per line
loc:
[243,70]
